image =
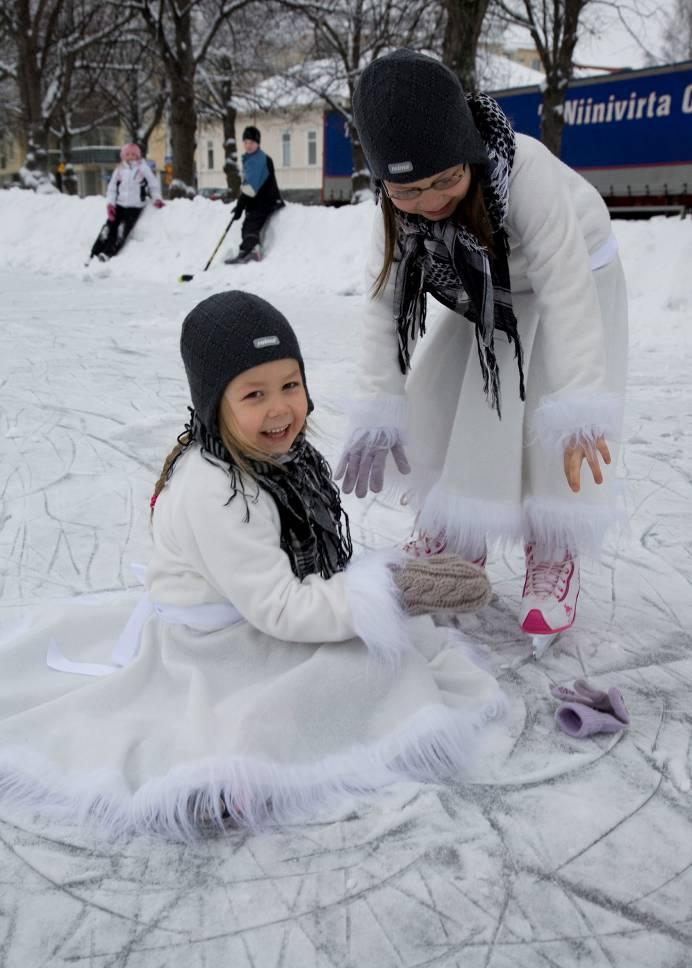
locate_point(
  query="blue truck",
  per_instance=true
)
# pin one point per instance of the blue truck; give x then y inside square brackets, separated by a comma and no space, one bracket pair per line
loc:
[629,133]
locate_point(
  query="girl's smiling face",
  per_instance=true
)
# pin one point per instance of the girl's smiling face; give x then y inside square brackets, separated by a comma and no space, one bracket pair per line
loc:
[266,406]
[434,198]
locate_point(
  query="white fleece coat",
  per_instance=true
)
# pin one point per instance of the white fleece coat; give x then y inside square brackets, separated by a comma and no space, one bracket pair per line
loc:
[281,712]
[125,185]
[478,477]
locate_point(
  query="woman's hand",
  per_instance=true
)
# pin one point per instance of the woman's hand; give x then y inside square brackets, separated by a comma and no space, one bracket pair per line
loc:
[585,451]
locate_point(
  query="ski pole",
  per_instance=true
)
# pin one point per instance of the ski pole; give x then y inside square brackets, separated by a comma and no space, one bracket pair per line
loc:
[188,277]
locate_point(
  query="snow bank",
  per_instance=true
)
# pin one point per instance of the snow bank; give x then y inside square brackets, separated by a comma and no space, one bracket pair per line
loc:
[311,248]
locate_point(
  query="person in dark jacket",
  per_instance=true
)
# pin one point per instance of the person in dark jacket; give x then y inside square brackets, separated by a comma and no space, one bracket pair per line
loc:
[259,196]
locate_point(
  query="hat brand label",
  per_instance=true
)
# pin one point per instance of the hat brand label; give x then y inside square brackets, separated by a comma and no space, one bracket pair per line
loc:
[265,341]
[399,167]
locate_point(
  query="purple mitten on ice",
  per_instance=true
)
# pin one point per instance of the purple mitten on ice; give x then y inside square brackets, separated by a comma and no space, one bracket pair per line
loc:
[578,720]
[610,702]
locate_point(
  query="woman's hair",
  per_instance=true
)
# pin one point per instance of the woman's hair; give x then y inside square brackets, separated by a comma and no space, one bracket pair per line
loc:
[470,212]
[240,451]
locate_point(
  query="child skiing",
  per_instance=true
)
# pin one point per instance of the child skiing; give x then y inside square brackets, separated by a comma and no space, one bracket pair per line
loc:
[259,197]
[519,250]
[263,673]
[130,185]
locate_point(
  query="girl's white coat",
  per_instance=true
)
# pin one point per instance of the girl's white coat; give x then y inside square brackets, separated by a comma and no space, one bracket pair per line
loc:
[125,185]
[280,713]
[474,475]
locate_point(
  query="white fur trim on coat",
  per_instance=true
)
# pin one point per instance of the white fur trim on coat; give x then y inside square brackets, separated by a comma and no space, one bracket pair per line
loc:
[580,416]
[468,522]
[436,744]
[573,526]
[387,413]
[374,601]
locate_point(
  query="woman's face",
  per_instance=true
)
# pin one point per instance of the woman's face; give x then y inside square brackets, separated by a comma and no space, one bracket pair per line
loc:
[434,198]
[267,405]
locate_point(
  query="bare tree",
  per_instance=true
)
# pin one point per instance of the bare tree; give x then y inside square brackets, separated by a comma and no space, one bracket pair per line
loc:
[677,34]
[554,27]
[346,36]
[48,39]
[183,31]
[131,85]
[465,20]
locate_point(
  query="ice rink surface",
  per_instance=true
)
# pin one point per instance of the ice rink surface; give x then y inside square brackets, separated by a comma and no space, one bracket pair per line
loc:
[561,853]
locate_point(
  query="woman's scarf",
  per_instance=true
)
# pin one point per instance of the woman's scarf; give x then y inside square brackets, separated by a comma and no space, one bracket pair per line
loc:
[448,261]
[315,531]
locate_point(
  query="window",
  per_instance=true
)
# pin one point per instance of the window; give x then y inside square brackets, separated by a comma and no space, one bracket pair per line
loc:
[286,149]
[312,147]
[210,155]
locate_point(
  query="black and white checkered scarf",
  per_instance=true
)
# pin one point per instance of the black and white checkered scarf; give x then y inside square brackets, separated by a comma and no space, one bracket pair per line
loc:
[448,261]
[315,531]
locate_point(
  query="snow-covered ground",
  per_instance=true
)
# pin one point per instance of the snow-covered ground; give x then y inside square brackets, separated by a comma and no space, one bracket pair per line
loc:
[563,853]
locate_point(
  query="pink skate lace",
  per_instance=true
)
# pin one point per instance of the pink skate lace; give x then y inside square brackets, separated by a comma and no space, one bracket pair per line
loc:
[545,578]
[426,545]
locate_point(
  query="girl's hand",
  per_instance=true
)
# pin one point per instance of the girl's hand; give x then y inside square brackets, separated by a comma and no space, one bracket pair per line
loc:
[586,451]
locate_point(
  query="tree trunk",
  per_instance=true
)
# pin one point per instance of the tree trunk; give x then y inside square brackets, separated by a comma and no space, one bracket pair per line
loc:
[462,31]
[360,177]
[183,112]
[552,118]
[29,77]
[230,146]
[558,63]
[183,130]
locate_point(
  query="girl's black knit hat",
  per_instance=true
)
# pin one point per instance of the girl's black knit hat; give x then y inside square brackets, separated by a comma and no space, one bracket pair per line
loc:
[225,335]
[412,118]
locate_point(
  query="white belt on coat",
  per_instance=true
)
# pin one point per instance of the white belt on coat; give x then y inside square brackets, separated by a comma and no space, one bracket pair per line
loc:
[604,254]
[209,617]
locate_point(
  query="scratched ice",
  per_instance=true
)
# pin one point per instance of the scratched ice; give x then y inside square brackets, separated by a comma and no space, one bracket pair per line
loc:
[563,853]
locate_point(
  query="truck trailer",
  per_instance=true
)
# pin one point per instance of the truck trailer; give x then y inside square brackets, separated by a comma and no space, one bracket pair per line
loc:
[629,133]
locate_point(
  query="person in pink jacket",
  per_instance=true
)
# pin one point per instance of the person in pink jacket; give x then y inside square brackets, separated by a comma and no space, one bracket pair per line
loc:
[131,184]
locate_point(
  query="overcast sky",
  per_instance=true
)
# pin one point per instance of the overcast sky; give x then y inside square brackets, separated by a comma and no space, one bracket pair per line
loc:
[605,40]
[611,45]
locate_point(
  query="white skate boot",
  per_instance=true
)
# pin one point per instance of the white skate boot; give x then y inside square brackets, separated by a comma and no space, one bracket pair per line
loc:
[549,599]
[426,545]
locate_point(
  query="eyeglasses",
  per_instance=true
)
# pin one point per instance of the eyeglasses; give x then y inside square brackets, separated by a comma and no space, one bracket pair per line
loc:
[439,185]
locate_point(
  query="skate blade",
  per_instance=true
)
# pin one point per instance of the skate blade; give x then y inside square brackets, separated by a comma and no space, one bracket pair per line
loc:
[541,644]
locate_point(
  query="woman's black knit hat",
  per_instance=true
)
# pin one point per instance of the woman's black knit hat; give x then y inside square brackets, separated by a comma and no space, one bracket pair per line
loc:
[225,335]
[412,118]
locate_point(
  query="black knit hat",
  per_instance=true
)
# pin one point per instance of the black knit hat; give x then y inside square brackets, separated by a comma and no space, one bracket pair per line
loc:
[225,335]
[251,133]
[412,118]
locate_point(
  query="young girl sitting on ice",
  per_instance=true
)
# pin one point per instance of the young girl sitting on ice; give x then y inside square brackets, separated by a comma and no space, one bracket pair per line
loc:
[263,673]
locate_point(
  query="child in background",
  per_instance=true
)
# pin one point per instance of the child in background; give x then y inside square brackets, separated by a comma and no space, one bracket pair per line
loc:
[259,196]
[264,673]
[131,184]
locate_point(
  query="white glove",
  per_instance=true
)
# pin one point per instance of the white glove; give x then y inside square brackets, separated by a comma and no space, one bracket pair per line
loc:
[362,462]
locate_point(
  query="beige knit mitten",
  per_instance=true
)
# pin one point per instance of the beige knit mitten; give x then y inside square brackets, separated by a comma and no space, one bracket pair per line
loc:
[441,583]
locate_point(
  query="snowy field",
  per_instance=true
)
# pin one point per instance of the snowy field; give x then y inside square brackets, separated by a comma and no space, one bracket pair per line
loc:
[561,853]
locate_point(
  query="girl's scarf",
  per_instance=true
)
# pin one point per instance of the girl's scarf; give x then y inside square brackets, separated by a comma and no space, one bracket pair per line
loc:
[447,260]
[315,531]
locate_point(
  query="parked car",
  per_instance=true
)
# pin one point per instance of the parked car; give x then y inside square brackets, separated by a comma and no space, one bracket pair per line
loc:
[214,194]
